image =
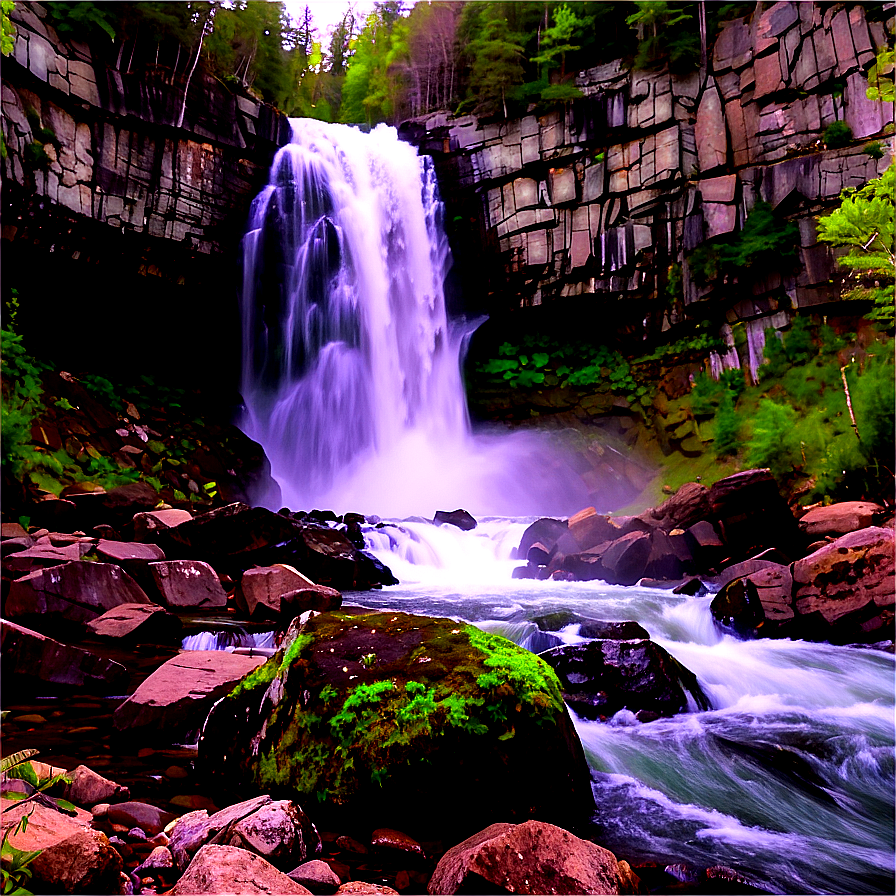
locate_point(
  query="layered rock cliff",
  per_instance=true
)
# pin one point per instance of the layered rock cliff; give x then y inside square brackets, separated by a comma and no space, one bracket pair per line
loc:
[133,186]
[600,205]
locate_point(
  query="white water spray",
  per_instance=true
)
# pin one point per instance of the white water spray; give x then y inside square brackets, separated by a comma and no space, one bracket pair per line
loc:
[351,367]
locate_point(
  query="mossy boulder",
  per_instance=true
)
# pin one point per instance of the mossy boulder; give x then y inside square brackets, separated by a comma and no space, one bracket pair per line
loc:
[426,725]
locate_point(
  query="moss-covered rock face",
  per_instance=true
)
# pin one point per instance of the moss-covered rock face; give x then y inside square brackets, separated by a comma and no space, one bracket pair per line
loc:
[428,725]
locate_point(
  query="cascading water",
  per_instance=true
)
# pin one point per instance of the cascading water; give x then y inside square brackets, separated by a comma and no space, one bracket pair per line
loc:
[351,367]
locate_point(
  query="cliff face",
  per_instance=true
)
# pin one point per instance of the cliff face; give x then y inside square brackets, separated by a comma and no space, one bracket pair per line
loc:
[136,185]
[604,199]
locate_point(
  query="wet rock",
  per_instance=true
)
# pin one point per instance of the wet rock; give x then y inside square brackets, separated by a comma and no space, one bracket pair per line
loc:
[312,597]
[40,556]
[336,690]
[75,592]
[147,523]
[545,531]
[459,518]
[689,505]
[148,623]
[261,589]
[87,788]
[34,660]
[839,519]
[237,537]
[150,819]
[279,831]
[752,515]
[72,857]
[395,841]
[624,561]
[601,677]
[362,888]
[317,876]
[129,555]
[188,583]
[176,698]
[532,857]
[617,631]
[236,872]
[846,587]
[590,528]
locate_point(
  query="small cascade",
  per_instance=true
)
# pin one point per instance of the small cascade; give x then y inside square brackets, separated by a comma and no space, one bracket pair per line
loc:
[351,366]
[231,640]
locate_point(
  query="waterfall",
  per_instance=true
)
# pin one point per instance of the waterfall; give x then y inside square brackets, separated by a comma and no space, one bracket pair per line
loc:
[351,366]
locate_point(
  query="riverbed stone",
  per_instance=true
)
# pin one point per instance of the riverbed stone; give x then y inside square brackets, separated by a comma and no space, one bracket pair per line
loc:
[839,519]
[601,677]
[148,623]
[75,592]
[335,690]
[175,699]
[590,528]
[459,518]
[151,521]
[36,661]
[72,857]
[261,589]
[188,584]
[135,814]
[237,872]
[532,857]
[317,876]
[88,788]
[848,583]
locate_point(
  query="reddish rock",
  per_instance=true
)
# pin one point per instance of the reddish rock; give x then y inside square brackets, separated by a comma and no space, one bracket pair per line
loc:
[848,582]
[12,530]
[150,819]
[687,506]
[75,592]
[278,831]
[87,788]
[188,583]
[545,531]
[395,841]
[317,876]
[37,659]
[72,857]
[131,555]
[41,556]
[176,698]
[151,521]
[261,589]
[590,528]
[362,888]
[136,622]
[312,597]
[532,857]
[625,559]
[839,519]
[235,872]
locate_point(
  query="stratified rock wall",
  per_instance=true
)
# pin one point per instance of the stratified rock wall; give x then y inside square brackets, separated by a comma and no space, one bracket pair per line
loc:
[135,185]
[603,196]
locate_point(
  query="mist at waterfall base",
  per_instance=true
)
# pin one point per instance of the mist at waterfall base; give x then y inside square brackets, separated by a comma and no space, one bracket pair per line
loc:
[351,367]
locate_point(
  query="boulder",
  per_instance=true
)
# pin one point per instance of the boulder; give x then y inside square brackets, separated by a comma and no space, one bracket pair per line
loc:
[35,660]
[72,857]
[624,561]
[601,677]
[147,523]
[317,876]
[845,588]
[134,814]
[669,557]
[839,519]
[136,622]
[616,631]
[235,872]
[590,528]
[396,843]
[532,857]
[87,788]
[459,518]
[545,531]
[75,592]
[689,505]
[385,712]
[752,516]
[176,698]
[237,537]
[130,555]
[40,556]
[261,589]
[188,583]
[312,597]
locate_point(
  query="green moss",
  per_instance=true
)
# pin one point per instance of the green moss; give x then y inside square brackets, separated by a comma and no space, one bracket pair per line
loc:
[331,738]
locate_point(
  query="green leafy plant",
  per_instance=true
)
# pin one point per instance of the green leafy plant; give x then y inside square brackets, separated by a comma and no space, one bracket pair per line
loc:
[837,134]
[14,869]
[880,77]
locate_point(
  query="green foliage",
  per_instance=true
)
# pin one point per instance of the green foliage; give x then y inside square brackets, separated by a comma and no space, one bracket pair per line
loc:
[7,29]
[564,36]
[772,441]
[497,54]
[726,441]
[763,242]
[666,32]
[14,870]
[837,134]
[864,224]
[880,77]
[83,19]
[875,149]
